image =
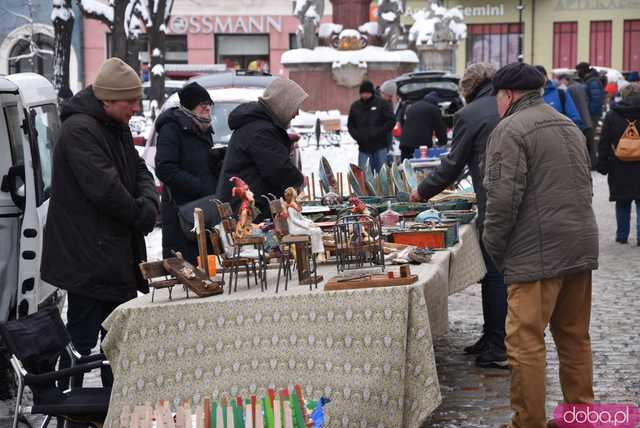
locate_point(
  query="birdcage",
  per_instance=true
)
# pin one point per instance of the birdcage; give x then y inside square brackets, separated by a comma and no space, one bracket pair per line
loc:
[358,239]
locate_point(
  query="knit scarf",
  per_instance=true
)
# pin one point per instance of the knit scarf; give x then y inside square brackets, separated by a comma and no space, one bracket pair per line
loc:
[203,124]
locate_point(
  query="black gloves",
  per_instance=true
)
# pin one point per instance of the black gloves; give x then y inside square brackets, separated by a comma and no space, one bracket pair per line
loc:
[147,214]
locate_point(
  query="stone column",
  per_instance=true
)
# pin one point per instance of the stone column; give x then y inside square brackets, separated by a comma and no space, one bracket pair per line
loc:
[350,13]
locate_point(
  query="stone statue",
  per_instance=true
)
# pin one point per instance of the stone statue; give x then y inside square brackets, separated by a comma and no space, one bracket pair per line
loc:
[390,27]
[309,12]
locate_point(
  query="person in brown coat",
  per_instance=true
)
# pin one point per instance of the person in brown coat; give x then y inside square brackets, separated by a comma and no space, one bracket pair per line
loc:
[541,232]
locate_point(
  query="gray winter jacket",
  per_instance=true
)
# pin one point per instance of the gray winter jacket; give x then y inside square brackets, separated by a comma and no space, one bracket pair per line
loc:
[579,95]
[539,221]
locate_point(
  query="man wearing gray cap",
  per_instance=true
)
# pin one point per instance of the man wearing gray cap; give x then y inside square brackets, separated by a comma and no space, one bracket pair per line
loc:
[103,202]
[540,231]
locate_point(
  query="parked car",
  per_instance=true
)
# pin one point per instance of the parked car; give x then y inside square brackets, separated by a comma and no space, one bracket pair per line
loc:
[414,86]
[170,88]
[29,126]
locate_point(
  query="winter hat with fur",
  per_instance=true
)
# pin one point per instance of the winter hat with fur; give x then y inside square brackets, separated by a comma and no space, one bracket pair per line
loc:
[283,97]
[117,81]
[474,77]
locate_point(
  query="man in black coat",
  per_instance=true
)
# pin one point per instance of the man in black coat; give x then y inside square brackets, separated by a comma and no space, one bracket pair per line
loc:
[259,150]
[370,123]
[103,202]
[472,126]
[186,162]
[422,119]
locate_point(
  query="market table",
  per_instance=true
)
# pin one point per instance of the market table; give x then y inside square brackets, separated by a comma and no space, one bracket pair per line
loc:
[369,350]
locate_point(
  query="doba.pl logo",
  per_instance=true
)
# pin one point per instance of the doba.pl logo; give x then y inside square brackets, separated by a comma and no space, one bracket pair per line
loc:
[597,416]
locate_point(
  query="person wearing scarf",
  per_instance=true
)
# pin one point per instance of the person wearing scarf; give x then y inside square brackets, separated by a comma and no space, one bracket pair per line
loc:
[185,163]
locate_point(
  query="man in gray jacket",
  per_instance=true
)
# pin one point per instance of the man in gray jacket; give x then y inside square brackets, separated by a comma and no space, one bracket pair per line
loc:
[579,95]
[540,231]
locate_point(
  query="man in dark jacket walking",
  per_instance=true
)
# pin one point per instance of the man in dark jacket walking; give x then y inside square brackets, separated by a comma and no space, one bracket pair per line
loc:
[103,202]
[540,230]
[370,123]
[422,119]
[579,96]
[472,126]
[186,162]
[623,176]
[595,100]
[259,149]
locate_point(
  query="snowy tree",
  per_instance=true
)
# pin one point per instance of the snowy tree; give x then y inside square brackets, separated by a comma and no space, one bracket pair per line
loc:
[63,20]
[113,16]
[154,16]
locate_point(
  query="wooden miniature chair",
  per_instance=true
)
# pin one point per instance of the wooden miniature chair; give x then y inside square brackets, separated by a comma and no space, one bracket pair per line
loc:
[151,271]
[228,222]
[302,243]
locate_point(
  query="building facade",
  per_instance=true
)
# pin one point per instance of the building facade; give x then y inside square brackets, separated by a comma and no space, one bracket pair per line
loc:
[557,33]
[26,40]
[250,34]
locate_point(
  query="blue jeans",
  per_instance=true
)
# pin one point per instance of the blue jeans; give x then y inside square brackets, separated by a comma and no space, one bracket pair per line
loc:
[623,219]
[376,159]
[494,303]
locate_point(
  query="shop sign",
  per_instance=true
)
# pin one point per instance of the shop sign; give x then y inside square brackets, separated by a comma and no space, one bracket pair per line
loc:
[470,11]
[224,24]
[596,4]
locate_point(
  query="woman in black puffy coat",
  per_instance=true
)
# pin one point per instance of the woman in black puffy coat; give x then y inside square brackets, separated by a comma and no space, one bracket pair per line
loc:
[186,163]
[623,177]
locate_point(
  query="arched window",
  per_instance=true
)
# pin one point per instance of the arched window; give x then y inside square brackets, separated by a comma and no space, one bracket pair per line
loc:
[35,61]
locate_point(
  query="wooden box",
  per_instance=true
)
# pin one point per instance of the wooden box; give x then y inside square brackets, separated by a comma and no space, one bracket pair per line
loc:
[431,238]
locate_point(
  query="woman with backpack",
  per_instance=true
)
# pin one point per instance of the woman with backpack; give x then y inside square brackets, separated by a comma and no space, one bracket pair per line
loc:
[619,158]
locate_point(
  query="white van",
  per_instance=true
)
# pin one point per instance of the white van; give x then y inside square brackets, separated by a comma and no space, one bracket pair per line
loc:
[29,128]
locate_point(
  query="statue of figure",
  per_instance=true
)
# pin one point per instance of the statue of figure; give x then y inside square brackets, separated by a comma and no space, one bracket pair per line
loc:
[309,12]
[245,215]
[390,27]
[299,224]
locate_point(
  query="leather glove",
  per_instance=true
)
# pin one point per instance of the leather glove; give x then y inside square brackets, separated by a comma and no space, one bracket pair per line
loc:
[147,214]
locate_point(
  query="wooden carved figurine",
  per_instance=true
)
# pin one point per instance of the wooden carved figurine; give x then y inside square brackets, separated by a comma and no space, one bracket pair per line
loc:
[245,215]
[299,224]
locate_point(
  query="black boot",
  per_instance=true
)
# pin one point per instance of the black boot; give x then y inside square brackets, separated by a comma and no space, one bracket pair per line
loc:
[477,347]
[492,357]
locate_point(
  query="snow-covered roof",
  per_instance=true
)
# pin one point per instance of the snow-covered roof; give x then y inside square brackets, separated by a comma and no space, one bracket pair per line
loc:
[96,7]
[322,55]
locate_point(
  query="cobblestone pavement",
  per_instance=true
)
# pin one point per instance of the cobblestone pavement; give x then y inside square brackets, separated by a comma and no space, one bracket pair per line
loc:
[480,398]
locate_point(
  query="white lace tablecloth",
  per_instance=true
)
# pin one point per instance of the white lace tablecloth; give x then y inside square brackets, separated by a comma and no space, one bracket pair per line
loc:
[368,350]
[467,265]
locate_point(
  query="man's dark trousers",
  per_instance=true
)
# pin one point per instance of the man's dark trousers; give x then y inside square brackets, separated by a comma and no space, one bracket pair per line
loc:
[494,304]
[84,322]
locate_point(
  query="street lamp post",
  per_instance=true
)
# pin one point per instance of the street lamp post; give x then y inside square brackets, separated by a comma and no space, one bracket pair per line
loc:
[520,8]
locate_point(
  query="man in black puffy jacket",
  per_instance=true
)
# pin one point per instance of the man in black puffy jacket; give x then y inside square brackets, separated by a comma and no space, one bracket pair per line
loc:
[103,202]
[186,162]
[371,120]
[259,149]
[422,119]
